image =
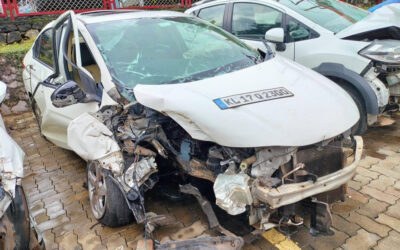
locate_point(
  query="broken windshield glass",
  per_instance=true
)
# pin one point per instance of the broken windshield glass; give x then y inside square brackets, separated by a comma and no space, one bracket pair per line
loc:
[168,50]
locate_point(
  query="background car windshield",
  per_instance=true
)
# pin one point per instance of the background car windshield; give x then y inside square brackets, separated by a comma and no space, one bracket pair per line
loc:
[330,14]
[168,50]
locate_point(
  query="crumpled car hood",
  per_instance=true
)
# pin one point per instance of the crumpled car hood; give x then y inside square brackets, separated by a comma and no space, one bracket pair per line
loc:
[387,16]
[318,110]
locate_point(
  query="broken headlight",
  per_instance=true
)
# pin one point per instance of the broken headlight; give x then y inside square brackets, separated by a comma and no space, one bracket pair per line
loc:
[387,51]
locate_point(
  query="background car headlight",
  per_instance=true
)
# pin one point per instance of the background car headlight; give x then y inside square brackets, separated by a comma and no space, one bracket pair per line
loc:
[383,51]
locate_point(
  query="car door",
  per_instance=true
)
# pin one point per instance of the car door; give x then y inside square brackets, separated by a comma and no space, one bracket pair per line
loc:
[46,76]
[250,22]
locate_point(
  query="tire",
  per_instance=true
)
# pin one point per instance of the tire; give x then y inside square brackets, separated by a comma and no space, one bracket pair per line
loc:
[107,203]
[15,223]
[362,125]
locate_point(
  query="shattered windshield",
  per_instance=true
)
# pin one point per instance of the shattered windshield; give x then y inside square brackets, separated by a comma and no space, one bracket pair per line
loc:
[330,14]
[168,50]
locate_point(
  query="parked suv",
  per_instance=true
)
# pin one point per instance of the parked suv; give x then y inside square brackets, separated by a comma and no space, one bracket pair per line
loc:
[357,50]
[152,98]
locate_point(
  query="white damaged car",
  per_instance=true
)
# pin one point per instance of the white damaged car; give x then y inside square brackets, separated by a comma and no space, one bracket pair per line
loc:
[151,97]
[15,222]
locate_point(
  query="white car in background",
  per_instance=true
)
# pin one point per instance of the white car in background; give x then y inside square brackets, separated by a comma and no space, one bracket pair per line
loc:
[358,50]
[164,97]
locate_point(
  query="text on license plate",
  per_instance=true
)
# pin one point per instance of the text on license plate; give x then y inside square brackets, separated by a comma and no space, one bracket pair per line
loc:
[252,97]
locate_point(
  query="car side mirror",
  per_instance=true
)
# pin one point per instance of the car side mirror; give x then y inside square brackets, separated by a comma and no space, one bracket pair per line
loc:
[277,36]
[67,94]
[3,91]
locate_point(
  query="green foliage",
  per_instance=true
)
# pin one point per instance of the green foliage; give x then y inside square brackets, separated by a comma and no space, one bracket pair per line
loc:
[21,47]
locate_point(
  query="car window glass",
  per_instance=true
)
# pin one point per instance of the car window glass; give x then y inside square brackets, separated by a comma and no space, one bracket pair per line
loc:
[45,51]
[333,15]
[214,15]
[253,20]
[296,31]
[168,50]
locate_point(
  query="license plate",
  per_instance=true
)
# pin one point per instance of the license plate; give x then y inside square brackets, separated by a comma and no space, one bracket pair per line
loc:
[252,97]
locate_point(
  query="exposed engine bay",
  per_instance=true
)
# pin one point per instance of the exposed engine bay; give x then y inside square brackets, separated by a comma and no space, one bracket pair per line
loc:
[272,186]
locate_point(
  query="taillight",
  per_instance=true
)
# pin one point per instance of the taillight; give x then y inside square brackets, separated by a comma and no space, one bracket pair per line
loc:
[23,65]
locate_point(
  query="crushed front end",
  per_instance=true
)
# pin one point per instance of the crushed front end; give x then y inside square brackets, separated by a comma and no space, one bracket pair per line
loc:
[272,186]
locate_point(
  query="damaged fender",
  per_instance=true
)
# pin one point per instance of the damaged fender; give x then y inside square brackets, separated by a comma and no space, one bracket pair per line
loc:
[92,140]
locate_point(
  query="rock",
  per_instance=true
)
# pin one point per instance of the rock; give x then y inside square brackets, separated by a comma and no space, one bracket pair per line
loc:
[14,84]
[4,109]
[21,106]
[24,27]
[8,27]
[32,34]
[14,36]
[23,96]
[3,38]
[37,26]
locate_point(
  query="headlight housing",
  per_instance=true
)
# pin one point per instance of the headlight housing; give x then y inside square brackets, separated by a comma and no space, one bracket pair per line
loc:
[387,51]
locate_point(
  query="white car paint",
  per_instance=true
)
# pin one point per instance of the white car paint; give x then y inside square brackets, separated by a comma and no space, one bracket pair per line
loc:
[11,161]
[386,16]
[290,121]
[304,106]
[328,47]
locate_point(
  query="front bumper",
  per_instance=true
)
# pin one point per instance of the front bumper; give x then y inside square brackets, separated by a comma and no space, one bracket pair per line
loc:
[290,193]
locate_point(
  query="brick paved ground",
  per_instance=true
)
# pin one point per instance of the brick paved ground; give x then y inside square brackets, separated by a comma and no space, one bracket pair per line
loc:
[369,218]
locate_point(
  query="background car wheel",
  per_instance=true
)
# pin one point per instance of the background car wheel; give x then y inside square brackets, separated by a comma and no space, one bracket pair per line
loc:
[106,200]
[361,126]
[15,224]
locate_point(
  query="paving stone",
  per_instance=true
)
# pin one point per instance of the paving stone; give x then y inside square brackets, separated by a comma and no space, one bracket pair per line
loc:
[373,208]
[329,242]
[382,182]
[368,224]
[132,232]
[393,191]
[385,171]
[386,152]
[303,236]
[116,242]
[90,241]
[40,218]
[354,185]
[355,195]
[390,242]
[367,173]
[379,195]
[344,225]
[368,161]
[363,240]
[394,211]
[49,240]
[344,208]
[53,223]
[69,241]
[390,221]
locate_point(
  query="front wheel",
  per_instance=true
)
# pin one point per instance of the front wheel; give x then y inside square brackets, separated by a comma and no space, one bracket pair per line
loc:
[106,200]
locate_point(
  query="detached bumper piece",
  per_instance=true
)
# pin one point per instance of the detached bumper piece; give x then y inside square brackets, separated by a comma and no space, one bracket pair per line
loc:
[290,193]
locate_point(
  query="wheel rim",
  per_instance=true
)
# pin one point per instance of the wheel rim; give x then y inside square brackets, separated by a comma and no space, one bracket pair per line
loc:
[97,190]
